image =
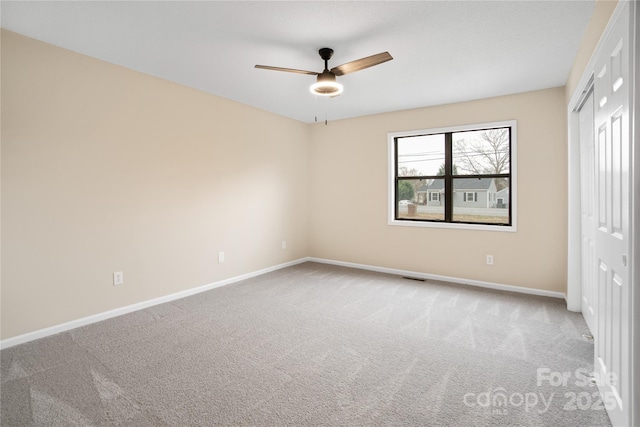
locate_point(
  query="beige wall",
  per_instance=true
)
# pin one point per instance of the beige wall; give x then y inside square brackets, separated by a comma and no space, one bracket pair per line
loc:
[349,196]
[598,22]
[105,169]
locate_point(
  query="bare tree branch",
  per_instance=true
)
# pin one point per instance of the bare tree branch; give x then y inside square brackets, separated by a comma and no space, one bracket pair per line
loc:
[489,154]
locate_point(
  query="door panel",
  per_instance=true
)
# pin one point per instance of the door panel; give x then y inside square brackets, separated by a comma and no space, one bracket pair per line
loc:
[602,177]
[612,234]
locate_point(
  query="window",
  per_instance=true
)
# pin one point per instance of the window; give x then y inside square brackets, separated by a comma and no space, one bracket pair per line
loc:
[461,177]
[470,197]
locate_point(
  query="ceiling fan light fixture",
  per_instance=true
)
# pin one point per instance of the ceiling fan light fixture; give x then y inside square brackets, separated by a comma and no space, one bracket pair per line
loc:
[326,85]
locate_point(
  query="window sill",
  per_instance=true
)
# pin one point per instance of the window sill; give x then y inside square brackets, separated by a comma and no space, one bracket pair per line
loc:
[451,225]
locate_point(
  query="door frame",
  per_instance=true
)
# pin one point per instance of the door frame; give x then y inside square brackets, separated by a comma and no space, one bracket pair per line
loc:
[634,117]
[574,286]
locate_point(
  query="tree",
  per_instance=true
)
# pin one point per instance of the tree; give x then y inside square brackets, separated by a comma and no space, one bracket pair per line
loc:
[488,154]
[441,170]
[405,171]
[405,190]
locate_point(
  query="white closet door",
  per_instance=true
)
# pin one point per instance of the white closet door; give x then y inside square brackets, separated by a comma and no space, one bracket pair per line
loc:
[612,95]
[587,210]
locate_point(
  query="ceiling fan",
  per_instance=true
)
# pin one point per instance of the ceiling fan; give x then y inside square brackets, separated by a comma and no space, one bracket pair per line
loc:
[326,84]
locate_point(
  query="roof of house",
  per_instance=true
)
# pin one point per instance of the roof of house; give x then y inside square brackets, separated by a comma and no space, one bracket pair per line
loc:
[460,184]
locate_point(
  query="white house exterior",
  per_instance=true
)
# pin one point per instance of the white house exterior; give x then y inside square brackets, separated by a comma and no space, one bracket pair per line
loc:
[502,198]
[467,192]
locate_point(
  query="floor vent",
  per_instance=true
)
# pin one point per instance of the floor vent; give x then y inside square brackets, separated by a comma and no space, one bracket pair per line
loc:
[413,278]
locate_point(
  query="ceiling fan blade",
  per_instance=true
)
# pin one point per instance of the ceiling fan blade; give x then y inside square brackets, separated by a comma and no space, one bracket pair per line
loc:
[361,64]
[288,70]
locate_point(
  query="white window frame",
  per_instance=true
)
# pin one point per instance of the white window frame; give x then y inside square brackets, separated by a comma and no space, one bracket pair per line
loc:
[513,181]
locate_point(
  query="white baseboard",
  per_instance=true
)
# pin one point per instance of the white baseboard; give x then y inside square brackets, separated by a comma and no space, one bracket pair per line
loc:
[52,330]
[42,333]
[490,285]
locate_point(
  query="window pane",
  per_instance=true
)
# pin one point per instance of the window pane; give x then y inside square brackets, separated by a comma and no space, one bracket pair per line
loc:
[420,199]
[484,200]
[481,152]
[420,155]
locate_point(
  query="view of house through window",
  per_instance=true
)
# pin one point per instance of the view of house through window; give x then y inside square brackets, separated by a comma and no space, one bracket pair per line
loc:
[460,176]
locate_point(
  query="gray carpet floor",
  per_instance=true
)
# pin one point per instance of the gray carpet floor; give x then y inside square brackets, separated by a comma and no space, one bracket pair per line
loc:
[312,344]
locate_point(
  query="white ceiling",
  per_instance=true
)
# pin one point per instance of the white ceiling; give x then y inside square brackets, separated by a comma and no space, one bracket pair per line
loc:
[444,51]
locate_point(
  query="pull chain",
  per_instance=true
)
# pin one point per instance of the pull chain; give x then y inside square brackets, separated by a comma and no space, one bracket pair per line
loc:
[326,100]
[326,120]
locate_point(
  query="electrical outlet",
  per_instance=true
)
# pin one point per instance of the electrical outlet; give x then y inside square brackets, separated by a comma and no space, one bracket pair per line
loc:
[489,259]
[220,257]
[284,244]
[118,278]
